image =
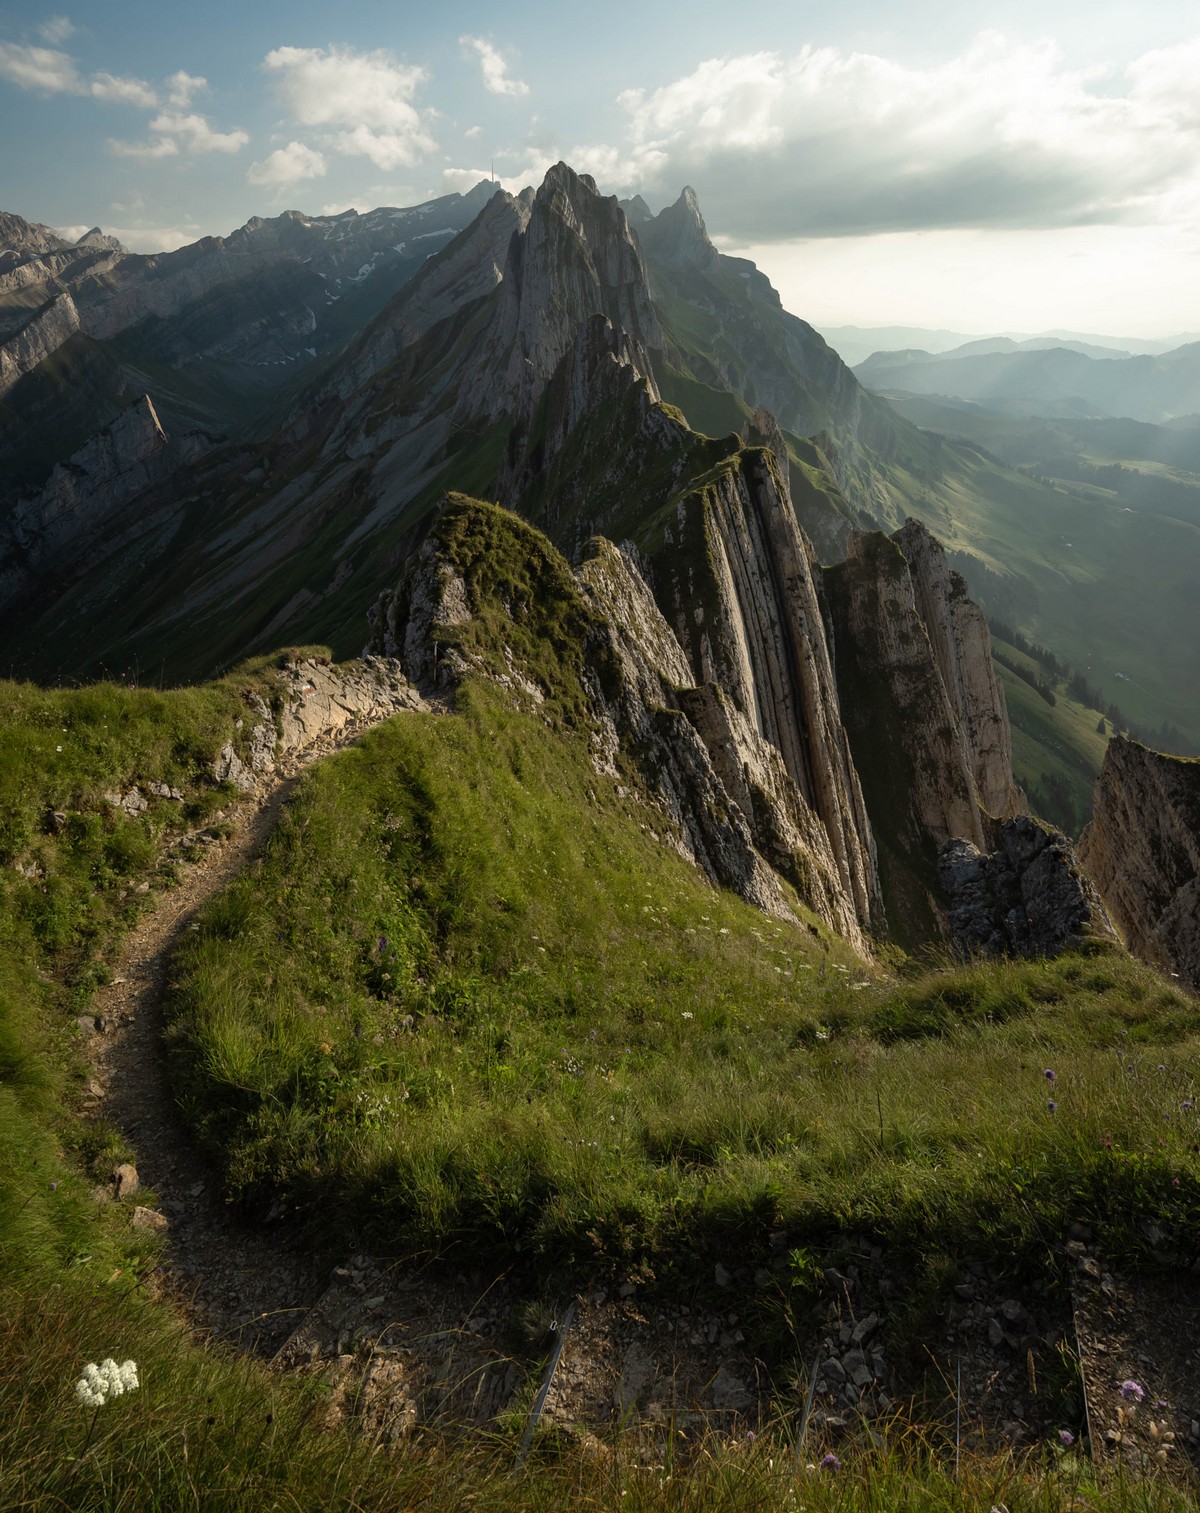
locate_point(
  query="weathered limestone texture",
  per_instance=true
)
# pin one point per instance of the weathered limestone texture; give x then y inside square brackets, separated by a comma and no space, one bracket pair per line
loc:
[927,720]
[1028,897]
[317,703]
[1142,850]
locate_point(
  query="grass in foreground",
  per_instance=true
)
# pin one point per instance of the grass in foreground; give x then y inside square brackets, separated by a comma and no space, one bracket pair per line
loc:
[696,1105]
[466,1002]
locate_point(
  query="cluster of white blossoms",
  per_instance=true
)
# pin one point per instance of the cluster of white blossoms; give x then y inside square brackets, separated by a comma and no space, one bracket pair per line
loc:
[99,1383]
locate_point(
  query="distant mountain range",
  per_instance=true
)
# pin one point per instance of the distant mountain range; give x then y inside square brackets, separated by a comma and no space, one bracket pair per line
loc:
[1057,381]
[856,343]
[215,331]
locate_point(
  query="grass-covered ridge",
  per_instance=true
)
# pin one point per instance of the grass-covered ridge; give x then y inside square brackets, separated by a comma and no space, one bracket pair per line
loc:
[790,1093]
[467,1002]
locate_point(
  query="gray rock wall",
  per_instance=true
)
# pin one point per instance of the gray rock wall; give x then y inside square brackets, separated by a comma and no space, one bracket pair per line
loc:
[1142,850]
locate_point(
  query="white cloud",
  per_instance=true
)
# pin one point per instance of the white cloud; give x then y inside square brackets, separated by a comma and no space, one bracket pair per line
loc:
[123,91]
[57,29]
[336,207]
[71,233]
[472,132]
[365,98]
[495,70]
[43,69]
[49,71]
[827,142]
[146,152]
[182,87]
[288,165]
[197,134]
[155,238]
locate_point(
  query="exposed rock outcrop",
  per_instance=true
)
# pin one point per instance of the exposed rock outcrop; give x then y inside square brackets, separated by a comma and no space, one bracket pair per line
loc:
[926,720]
[962,648]
[316,701]
[576,257]
[724,788]
[1027,897]
[1142,850]
[50,327]
[738,583]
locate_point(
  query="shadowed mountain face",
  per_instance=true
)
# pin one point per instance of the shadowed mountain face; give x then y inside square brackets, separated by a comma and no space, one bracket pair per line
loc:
[217,330]
[476,375]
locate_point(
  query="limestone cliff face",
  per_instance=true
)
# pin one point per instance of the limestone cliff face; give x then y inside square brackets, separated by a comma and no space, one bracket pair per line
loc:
[1142,850]
[603,372]
[737,580]
[576,257]
[962,648]
[920,735]
[83,495]
[54,323]
[733,807]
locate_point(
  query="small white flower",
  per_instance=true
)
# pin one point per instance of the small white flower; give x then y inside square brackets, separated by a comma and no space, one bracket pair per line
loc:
[108,1379]
[687,1014]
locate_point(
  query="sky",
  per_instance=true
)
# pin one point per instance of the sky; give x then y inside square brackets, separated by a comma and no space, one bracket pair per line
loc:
[1016,166]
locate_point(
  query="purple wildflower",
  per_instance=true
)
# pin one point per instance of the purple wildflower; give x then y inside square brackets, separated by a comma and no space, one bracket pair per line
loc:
[1132,1392]
[1049,1074]
[54,1187]
[1052,1106]
[1065,1438]
[830,1462]
[1186,1105]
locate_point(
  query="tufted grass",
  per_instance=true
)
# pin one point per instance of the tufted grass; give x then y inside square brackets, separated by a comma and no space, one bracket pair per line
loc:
[467,1004]
[527,908]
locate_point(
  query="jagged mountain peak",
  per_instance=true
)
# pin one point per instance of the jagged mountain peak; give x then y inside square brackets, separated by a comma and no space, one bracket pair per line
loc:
[678,234]
[576,257]
[101,240]
[25,237]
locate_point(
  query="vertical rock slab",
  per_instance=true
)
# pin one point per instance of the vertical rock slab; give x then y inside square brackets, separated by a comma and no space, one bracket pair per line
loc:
[736,578]
[904,729]
[962,648]
[576,257]
[1142,850]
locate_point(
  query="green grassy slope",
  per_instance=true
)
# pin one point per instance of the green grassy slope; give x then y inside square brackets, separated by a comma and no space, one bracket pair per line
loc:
[1057,749]
[607,1060]
[465,1001]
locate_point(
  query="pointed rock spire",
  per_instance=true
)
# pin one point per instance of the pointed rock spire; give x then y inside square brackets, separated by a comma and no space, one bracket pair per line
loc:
[678,235]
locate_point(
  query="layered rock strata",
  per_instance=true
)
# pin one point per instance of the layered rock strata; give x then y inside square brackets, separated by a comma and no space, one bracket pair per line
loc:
[737,581]
[575,257]
[927,721]
[962,647]
[1142,850]
[734,807]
